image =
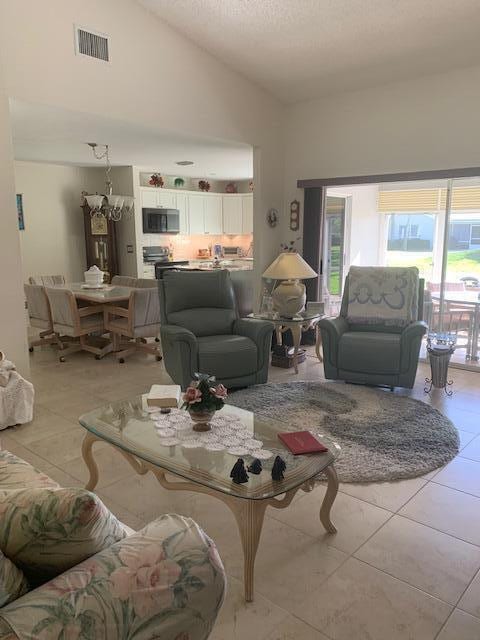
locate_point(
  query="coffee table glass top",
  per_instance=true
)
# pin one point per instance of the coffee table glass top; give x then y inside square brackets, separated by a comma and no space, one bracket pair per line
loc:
[129,426]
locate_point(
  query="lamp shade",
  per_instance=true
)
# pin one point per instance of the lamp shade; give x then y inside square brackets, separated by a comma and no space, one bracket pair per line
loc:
[289,266]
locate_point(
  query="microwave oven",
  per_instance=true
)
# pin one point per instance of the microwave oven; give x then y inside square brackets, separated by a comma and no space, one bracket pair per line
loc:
[161,220]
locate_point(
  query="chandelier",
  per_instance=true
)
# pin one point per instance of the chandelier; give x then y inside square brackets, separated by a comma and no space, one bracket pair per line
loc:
[107,205]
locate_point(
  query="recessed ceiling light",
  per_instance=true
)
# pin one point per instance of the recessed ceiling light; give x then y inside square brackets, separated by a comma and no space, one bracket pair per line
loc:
[184,163]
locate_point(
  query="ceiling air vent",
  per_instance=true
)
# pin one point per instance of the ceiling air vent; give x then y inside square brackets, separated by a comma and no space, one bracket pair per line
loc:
[89,43]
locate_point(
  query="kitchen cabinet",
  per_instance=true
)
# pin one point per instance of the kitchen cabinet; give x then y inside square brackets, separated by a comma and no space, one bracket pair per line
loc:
[158,199]
[213,214]
[181,205]
[204,213]
[149,199]
[232,214]
[196,213]
[247,213]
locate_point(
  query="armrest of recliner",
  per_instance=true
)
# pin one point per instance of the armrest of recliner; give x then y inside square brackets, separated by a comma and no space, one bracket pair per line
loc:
[253,328]
[332,330]
[414,330]
[410,343]
[178,334]
[260,332]
[180,352]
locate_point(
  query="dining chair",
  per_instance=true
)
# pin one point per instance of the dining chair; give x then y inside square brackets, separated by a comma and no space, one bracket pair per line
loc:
[145,283]
[139,321]
[40,317]
[457,317]
[76,322]
[47,281]
[123,281]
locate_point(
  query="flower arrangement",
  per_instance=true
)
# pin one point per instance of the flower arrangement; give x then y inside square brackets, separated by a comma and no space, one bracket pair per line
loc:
[231,187]
[203,396]
[290,247]
[204,185]
[156,180]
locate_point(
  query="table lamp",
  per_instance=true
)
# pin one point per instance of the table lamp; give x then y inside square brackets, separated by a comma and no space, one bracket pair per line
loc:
[289,295]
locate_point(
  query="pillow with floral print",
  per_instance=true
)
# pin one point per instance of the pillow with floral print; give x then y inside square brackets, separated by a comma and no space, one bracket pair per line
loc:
[47,531]
[13,583]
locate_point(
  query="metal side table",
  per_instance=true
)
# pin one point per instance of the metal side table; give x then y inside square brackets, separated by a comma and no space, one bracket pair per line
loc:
[440,347]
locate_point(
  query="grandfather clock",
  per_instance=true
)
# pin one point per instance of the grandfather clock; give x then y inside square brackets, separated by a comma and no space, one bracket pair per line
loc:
[100,243]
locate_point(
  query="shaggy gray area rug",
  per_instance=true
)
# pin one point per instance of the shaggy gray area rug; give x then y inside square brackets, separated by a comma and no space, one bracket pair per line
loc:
[383,436]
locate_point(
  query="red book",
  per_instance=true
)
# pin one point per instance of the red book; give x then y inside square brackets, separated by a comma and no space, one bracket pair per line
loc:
[302,442]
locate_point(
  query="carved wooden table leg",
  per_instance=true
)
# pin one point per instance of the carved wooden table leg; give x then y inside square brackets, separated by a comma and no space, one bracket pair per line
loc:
[330,495]
[296,330]
[249,515]
[87,455]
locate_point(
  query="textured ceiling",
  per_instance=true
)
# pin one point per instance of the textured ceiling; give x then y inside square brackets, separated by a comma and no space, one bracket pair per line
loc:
[49,134]
[302,49]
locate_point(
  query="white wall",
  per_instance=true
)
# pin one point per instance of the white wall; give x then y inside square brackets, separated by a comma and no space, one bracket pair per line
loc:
[363,224]
[54,240]
[12,332]
[155,76]
[423,124]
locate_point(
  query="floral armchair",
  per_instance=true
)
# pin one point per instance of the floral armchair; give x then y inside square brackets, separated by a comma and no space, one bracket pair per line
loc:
[165,581]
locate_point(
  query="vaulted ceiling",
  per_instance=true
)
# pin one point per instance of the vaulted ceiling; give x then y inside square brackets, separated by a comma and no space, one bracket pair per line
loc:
[302,49]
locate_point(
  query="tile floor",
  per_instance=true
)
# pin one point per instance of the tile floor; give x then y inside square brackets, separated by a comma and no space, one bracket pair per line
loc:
[405,563]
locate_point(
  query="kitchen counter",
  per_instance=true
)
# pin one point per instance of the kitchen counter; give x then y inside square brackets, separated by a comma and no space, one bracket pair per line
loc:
[235,264]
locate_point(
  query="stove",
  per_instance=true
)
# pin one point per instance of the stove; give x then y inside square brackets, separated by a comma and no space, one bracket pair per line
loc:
[155,254]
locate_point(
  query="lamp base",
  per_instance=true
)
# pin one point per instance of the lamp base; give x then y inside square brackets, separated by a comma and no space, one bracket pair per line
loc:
[289,298]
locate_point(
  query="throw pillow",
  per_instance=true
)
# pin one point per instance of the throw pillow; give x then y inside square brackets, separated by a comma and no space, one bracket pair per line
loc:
[47,531]
[13,583]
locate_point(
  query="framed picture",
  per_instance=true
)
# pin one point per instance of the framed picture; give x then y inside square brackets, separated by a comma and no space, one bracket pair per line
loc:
[99,226]
[21,219]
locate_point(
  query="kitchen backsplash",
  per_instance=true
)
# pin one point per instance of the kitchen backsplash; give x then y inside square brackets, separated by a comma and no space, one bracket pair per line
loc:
[188,246]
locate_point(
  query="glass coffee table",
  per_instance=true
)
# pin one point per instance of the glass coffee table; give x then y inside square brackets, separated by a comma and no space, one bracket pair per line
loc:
[130,428]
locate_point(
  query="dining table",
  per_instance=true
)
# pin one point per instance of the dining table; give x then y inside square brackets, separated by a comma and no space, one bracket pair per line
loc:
[107,293]
[470,299]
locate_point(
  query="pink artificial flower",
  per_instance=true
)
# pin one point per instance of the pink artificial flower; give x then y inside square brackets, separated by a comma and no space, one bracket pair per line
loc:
[192,395]
[92,510]
[146,580]
[73,580]
[219,391]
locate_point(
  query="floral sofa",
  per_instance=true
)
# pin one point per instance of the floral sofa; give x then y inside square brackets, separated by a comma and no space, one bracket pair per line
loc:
[69,570]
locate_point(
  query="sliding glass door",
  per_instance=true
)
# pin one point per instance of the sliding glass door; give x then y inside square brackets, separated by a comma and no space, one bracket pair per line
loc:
[434,225]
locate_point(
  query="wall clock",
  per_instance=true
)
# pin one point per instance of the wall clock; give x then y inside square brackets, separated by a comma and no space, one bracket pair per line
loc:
[294,215]
[272,217]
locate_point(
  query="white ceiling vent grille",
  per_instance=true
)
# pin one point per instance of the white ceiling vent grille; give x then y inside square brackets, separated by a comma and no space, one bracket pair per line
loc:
[89,43]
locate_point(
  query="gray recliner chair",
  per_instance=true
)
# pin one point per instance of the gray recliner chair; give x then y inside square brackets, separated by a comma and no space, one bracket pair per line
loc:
[378,354]
[201,331]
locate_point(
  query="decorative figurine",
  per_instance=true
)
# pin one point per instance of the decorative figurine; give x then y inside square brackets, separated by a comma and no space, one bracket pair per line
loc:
[255,467]
[278,468]
[238,473]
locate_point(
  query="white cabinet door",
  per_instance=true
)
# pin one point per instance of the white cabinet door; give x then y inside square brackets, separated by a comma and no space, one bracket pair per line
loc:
[232,215]
[196,213]
[181,205]
[213,215]
[247,213]
[149,199]
[166,199]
